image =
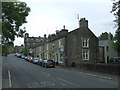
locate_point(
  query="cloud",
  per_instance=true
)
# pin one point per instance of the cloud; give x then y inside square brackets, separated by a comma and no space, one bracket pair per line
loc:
[41,24]
[19,41]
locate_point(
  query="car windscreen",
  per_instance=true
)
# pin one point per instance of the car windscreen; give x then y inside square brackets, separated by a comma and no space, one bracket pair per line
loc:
[49,62]
[36,59]
[30,57]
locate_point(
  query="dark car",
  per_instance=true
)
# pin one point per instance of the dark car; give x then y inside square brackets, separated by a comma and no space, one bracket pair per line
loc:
[48,63]
[115,60]
[19,56]
[16,54]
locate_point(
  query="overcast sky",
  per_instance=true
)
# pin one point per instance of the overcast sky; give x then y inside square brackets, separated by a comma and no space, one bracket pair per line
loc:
[48,15]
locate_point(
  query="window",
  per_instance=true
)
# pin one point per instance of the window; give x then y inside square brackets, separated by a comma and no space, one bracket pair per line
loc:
[59,41]
[107,49]
[40,48]
[85,42]
[85,54]
[47,47]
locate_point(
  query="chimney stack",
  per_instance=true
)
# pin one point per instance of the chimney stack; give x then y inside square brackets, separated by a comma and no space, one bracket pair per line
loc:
[110,36]
[83,23]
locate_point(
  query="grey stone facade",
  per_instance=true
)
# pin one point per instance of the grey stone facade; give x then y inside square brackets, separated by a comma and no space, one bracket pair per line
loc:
[77,53]
[106,50]
[70,48]
[53,47]
[31,42]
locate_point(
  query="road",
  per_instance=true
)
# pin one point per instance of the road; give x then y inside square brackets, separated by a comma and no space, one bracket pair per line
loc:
[18,73]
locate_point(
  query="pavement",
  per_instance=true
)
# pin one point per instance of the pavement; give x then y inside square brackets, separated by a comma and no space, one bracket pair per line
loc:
[94,73]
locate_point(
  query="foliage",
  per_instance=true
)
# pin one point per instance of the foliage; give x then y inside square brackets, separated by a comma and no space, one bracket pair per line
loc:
[13,17]
[116,12]
[104,36]
[117,42]
[25,51]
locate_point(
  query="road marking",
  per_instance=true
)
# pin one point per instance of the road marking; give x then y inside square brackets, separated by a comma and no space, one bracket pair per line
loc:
[9,76]
[97,76]
[69,82]
[37,84]
[43,83]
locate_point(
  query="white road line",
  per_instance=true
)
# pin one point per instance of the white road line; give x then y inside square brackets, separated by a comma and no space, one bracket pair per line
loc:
[69,82]
[10,82]
[97,76]
[37,84]
[43,83]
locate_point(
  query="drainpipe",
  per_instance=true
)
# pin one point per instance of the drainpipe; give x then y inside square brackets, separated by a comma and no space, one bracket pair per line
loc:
[65,50]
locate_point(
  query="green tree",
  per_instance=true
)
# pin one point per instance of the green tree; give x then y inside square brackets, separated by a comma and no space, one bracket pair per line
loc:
[116,12]
[13,17]
[105,36]
[25,51]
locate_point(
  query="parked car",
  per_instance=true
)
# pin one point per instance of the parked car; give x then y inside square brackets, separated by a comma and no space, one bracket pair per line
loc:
[23,57]
[36,60]
[48,63]
[16,54]
[115,60]
[40,62]
[19,56]
[30,59]
[26,58]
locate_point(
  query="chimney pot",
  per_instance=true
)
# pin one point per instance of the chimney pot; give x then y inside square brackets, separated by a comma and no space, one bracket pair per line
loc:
[83,23]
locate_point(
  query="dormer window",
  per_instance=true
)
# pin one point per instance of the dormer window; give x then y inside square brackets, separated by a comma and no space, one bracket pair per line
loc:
[85,42]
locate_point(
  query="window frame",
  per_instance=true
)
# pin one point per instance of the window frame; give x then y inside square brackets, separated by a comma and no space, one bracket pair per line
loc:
[85,42]
[86,54]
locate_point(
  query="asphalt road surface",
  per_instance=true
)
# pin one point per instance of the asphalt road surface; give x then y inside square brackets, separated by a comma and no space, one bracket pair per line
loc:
[18,73]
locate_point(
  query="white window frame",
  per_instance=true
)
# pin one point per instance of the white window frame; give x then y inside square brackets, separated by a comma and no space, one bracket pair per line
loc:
[85,42]
[85,54]
[40,48]
[59,41]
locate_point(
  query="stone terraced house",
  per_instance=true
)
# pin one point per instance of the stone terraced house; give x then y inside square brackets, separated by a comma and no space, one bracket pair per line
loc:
[70,48]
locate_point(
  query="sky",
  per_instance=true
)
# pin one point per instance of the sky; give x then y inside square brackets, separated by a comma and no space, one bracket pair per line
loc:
[47,16]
